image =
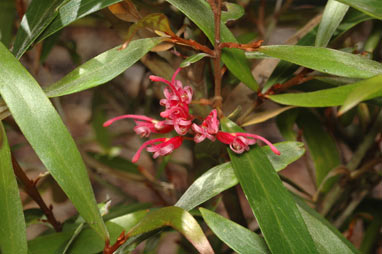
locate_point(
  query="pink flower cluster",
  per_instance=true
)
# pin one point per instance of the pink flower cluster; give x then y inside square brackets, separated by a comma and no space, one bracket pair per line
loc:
[177,117]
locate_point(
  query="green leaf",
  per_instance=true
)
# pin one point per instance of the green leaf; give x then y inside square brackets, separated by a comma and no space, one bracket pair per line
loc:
[72,11]
[237,237]
[367,90]
[285,123]
[290,152]
[325,60]
[12,225]
[54,243]
[200,13]
[7,16]
[234,12]
[322,147]
[274,208]
[115,226]
[48,244]
[333,14]
[207,185]
[192,59]
[285,70]
[48,136]
[34,216]
[326,97]
[178,219]
[370,7]
[101,68]
[264,116]
[326,237]
[351,19]
[38,16]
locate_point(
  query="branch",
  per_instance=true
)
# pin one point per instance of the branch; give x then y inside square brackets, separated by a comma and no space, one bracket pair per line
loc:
[31,190]
[216,9]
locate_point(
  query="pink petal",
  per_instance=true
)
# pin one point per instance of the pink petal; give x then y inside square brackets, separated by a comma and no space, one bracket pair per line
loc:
[143,146]
[138,117]
[273,148]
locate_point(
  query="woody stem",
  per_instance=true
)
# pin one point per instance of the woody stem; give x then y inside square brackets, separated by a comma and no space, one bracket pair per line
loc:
[216,8]
[30,188]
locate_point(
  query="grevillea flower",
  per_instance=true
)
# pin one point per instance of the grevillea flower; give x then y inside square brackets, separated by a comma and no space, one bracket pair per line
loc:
[165,147]
[240,141]
[177,117]
[144,127]
[208,129]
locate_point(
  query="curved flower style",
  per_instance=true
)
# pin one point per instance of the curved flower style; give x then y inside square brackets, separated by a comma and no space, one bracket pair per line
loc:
[240,141]
[208,129]
[145,127]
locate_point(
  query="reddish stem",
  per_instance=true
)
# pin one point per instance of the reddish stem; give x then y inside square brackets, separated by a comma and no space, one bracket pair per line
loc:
[247,47]
[31,190]
[216,9]
[122,238]
[191,43]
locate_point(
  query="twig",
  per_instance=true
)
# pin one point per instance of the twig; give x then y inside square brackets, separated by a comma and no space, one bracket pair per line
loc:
[120,240]
[31,190]
[190,43]
[252,46]
[216,9]
[20,8]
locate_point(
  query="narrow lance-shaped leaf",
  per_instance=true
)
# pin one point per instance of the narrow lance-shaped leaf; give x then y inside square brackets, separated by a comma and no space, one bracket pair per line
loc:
[45,131]
[326,237]
[38,16]
[329,97]
[240,239]
[72,11]
[115,226]
[284,70]
[101,68]
[201,14]
[207,185]
[192,59]
[55,242]
[370,88]
[264,116]
[234,12]
[178,219]
[12,225]
[333,14]
[274,208]
[325,60]
[370,7]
